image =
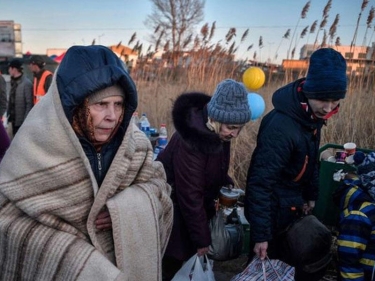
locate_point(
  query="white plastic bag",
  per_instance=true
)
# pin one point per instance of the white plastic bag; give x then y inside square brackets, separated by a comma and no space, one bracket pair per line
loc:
[195,269]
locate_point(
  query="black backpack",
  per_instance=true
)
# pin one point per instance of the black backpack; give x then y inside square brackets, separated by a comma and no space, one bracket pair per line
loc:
[307,244]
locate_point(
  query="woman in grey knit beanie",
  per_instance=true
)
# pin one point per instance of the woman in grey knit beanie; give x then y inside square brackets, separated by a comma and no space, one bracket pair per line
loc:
[228,109]
[196,161]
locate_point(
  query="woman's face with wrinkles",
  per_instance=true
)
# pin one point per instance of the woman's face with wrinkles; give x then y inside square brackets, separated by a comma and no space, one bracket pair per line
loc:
[229,131]
[105,115]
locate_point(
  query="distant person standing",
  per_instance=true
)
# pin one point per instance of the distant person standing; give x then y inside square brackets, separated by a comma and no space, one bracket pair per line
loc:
[20,96]
[3,96]
[42,77]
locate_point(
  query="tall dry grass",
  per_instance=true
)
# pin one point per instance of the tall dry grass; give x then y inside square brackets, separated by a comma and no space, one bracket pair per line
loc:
[209,63]
[355,121]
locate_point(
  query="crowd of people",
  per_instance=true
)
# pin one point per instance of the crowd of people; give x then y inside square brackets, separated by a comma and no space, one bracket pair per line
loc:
[81,197]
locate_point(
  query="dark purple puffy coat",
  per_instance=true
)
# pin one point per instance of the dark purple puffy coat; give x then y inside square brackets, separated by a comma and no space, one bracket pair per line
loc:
[196,162]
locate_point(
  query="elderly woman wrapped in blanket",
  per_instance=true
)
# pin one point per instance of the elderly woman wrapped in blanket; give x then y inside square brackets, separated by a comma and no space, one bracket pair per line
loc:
[80,196]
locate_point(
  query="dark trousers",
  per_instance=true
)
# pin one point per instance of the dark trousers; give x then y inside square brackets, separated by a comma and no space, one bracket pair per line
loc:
[170,266]
[15,129]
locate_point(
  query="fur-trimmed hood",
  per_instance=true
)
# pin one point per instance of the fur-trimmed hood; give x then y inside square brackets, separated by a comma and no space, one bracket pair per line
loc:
[190,117]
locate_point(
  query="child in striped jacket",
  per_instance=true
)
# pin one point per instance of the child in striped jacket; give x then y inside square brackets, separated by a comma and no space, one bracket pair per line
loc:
[356,240]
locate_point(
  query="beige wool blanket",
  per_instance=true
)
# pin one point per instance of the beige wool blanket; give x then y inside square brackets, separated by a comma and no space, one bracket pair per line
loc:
[49,200]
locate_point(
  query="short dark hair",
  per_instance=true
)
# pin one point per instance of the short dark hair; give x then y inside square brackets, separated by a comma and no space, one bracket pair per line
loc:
[16,63]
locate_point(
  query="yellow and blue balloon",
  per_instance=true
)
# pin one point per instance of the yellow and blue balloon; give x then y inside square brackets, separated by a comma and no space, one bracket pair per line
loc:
[256,104]
[253,78]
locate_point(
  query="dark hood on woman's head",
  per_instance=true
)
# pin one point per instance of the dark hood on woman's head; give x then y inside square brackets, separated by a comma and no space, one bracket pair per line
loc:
[87,69]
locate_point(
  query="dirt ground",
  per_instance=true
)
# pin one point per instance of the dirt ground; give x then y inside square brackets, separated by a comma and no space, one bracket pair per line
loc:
[225,271]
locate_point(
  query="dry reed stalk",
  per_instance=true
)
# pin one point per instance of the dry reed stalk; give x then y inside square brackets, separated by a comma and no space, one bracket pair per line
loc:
[338,41]
[212,32]
[187,41]
[363,6]
[324,40]
[204,32]
[132,38]
[321,26]
[333,28]
[231,33]
[303,33]
[304,11]
[285,36]
[244,35]
[312,30]
[326,9]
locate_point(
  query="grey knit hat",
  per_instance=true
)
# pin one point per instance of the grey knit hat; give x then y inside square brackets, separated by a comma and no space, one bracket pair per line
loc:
[229,104]
[111,91]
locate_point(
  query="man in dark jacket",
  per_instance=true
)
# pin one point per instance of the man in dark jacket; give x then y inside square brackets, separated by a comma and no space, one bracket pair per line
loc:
[20,96]
[196,161]
[282,180]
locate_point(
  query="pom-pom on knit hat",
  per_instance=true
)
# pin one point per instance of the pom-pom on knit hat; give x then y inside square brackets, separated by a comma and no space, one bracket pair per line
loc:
[229,104]
[111,91]
[367,165]
[326,77]
[358,157]
[366,172]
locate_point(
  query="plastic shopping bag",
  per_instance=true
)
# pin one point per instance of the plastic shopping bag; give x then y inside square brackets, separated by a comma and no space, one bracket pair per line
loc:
[266,270]
[195,269]
[226,237]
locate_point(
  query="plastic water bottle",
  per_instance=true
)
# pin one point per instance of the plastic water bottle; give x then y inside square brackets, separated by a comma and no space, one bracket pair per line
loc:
[145,125]
[163,136]
[156,152]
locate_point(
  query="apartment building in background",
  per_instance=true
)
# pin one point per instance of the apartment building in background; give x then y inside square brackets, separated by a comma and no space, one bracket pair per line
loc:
[359,59]
[10,40]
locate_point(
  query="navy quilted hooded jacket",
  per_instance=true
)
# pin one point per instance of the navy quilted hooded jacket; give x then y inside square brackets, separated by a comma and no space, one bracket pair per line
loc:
[283,172]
